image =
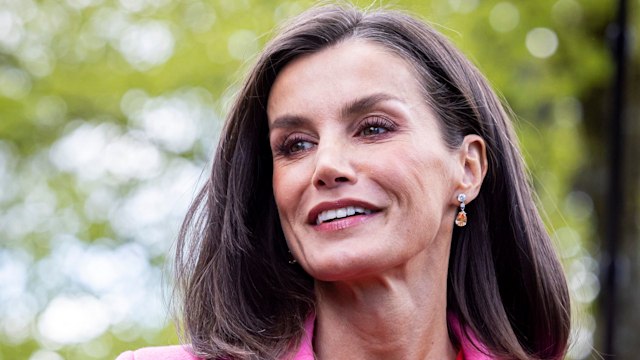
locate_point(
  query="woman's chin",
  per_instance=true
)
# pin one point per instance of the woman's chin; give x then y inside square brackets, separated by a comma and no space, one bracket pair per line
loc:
[343,269]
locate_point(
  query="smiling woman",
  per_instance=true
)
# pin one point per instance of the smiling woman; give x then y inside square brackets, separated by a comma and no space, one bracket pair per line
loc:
[368,141]
[334,223]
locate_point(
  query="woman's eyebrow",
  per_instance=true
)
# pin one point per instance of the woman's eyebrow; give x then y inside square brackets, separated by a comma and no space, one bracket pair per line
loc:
[365,103]
[354,107]
[288,121]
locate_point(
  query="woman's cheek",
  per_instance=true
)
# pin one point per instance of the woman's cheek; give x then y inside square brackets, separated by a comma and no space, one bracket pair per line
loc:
[288,186]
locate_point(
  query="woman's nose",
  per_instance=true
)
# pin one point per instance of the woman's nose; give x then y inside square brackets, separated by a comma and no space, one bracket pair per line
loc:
[333,167]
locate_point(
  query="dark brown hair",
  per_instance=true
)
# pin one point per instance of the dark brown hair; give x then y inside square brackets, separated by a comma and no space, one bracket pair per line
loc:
[240,297]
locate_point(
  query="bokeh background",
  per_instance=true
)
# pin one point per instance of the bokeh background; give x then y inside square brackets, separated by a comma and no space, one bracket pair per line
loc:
[110,111]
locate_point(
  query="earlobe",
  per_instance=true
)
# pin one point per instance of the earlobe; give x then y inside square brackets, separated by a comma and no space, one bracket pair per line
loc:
[473,159]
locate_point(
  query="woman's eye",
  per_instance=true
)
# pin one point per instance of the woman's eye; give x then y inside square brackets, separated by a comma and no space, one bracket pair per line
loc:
[293,146]
[373,130]
[376,125]
[300,145]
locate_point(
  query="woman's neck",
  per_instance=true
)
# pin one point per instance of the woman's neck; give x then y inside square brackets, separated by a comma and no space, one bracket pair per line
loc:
[386,317]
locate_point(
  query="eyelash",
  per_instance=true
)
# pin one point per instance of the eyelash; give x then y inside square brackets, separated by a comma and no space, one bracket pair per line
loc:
[376,122]
[284,148]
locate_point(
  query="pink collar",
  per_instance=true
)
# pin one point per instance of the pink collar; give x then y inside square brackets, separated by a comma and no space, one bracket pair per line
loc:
[469,351]
[472,348]
[305,351]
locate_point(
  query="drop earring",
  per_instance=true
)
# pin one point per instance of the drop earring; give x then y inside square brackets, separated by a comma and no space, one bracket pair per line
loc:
[292,260]
[461,218]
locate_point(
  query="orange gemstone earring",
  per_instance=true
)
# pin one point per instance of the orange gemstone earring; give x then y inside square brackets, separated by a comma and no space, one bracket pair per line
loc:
[461,218]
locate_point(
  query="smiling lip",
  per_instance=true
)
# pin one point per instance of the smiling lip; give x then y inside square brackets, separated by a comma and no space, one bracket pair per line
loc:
[338,204]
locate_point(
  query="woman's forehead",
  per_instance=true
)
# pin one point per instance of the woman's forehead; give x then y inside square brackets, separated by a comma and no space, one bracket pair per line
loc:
[345,73]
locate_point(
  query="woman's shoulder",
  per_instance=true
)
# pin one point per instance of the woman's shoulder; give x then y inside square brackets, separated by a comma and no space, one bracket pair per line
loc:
[174,352]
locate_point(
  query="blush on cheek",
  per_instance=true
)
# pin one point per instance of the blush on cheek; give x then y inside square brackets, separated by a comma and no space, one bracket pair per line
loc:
[288,192]
[418,172]
[278,186]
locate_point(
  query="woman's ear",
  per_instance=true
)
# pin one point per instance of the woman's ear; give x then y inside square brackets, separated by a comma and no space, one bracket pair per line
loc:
[473,159]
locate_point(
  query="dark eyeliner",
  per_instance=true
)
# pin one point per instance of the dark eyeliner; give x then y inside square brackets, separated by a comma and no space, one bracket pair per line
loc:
[379,122]
[284,146]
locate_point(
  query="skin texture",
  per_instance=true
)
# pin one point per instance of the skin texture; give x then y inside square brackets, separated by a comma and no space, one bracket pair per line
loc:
[345,130]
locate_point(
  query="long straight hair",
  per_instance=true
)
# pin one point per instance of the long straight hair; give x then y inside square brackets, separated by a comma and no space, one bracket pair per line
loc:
[240,299]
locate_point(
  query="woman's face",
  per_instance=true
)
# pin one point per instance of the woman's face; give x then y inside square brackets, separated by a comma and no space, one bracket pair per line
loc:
[363,181]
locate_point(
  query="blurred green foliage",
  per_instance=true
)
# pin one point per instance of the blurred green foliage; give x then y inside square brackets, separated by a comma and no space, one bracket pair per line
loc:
[109,111]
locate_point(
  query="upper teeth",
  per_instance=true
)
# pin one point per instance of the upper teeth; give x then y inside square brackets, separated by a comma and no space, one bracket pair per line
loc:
[340,213]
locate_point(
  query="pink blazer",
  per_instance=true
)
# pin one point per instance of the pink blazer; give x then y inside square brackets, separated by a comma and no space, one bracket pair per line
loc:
[305,352]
